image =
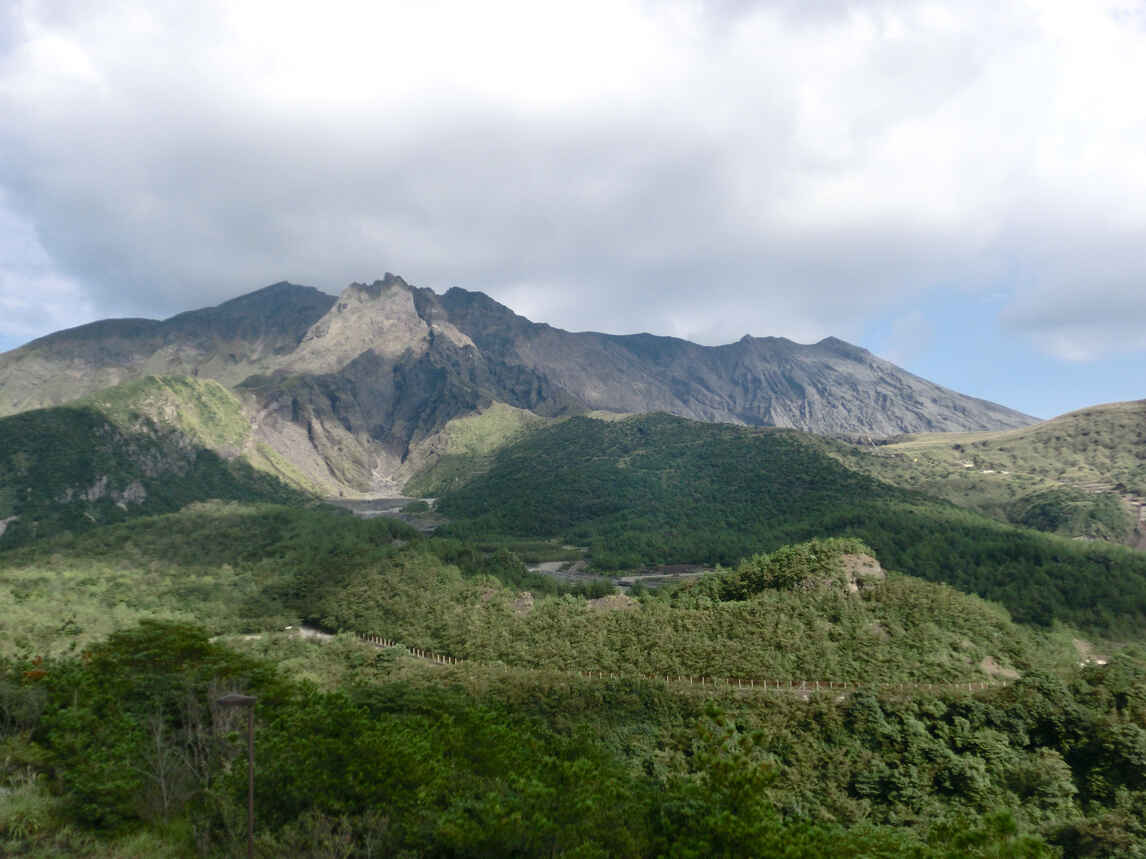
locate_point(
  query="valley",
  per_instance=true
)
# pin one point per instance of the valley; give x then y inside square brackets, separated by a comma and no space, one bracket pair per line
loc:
[562,594]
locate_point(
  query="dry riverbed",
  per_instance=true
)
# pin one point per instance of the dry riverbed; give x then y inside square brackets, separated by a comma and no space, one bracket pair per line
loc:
[577,572]
[369,508]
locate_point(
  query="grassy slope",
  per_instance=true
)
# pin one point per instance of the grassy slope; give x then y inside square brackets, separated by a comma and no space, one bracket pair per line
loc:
[661,489]
[465,447]
[1094,445]
[148,446]
[201,409]
[1068,475]
[204,411]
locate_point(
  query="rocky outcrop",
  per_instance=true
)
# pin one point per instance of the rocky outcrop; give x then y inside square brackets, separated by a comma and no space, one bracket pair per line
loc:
[380,318]
[862,572]
[364,419]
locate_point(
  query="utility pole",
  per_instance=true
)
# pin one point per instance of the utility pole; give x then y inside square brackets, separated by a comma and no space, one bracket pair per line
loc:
[235,699]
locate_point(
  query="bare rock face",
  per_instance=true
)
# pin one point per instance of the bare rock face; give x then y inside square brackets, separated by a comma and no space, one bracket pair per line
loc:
[990,666]
[830,387]
[862,572]
[613,602]
[523,605]
[380,317]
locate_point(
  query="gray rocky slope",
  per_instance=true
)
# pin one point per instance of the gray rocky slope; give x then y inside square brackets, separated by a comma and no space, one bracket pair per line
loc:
[346,386]
[830,387]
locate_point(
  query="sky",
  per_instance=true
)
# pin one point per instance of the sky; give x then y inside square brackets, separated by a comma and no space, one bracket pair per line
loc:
[958,186]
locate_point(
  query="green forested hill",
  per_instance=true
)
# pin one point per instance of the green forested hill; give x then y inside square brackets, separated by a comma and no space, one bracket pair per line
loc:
[1082,474]
[658,489]
[146,447]
[246,568]
[421,760]
[113,746]
[230,567]
[1100,444]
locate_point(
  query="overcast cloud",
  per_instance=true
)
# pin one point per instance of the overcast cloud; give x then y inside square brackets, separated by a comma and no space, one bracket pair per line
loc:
[688,168]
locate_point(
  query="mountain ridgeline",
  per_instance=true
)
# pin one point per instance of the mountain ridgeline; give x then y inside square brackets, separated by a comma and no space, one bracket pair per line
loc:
[350,390]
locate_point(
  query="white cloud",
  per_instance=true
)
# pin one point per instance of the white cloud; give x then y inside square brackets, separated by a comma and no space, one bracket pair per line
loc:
[34,298]
[696,168]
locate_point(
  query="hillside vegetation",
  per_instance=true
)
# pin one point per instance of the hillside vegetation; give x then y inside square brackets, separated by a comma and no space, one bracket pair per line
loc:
[657,489]
[202,410]
[240,568]
[407,759]
[1093,445]
[148,446]
[465,447]
[114,746]
[902,630]
[231,568]
[1081,475]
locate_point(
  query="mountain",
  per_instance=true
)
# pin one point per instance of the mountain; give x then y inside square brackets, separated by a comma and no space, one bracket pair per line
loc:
[354,392]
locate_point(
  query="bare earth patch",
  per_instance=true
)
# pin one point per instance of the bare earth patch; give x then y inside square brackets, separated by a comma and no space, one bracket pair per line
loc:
[1087,655]
[613,602]
[878,631]
[989,666]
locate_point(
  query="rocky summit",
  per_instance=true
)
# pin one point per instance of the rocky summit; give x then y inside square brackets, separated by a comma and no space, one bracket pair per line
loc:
[346,389]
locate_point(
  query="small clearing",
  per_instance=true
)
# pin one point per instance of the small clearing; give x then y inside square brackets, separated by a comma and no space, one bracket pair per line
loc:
[989,666]
[615,602]
[1086,653]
